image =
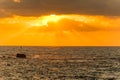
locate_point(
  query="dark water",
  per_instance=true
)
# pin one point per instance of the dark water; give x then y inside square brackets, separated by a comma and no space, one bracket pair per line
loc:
[60,63]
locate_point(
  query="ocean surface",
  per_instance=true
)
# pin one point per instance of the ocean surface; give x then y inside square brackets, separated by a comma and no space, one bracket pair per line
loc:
[60,63]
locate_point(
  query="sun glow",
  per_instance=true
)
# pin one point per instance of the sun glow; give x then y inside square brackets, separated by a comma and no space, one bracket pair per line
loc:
[43,21]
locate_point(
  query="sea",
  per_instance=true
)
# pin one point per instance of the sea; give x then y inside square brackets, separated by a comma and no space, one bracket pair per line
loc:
[59,63]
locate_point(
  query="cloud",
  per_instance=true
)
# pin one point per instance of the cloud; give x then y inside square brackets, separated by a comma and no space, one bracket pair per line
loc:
[5,13]
[57,23]
[38,7]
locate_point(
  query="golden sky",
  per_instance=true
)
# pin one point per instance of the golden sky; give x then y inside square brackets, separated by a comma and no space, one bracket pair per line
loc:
[60,22]
[60,30]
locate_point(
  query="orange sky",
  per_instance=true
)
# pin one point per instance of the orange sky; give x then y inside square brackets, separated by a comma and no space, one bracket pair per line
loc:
[60,30]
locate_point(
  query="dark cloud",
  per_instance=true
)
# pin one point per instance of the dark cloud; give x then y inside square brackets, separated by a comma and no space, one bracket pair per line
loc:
[37,7]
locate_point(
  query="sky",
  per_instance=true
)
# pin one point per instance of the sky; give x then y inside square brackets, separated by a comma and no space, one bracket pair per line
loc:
[60,22]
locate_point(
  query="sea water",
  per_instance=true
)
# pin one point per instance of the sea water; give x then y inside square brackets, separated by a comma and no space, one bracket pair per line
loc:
[60,63]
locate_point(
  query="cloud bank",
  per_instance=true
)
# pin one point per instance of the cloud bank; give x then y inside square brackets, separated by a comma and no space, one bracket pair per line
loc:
[64,22]
[39,7]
